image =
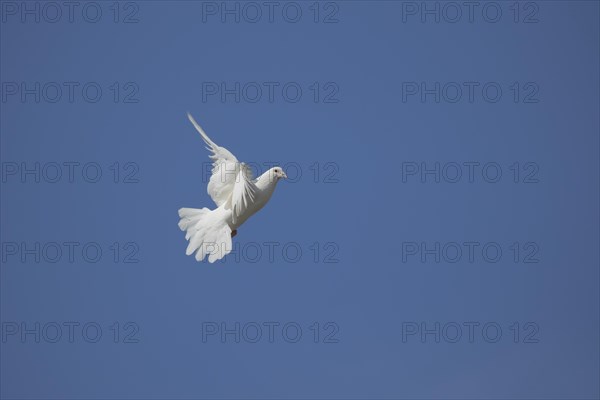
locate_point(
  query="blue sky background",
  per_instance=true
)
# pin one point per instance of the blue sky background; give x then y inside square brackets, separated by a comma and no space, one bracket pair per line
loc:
[368,214]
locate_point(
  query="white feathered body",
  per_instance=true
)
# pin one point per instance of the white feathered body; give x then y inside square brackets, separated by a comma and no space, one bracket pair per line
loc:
[266,186]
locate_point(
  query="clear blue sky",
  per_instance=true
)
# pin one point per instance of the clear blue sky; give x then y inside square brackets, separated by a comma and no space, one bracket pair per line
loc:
[371,132]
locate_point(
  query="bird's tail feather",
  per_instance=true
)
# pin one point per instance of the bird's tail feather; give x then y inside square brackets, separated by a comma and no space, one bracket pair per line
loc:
[208,235]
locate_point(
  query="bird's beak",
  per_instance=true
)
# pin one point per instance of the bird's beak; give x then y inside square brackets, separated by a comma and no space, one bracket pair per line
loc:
[283,175]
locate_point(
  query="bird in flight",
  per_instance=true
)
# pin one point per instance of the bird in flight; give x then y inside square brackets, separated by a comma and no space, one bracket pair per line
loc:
[237,195]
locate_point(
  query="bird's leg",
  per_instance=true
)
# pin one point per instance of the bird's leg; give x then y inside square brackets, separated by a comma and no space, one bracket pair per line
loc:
[233,232]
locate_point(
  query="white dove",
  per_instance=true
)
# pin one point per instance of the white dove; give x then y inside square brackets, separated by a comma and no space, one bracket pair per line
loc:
[238,196]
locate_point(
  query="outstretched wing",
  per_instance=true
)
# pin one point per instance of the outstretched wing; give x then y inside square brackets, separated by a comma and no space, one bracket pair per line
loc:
[231,182]
[244,192]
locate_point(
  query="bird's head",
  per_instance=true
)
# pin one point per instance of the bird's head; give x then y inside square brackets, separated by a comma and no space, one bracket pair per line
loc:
[277,173]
